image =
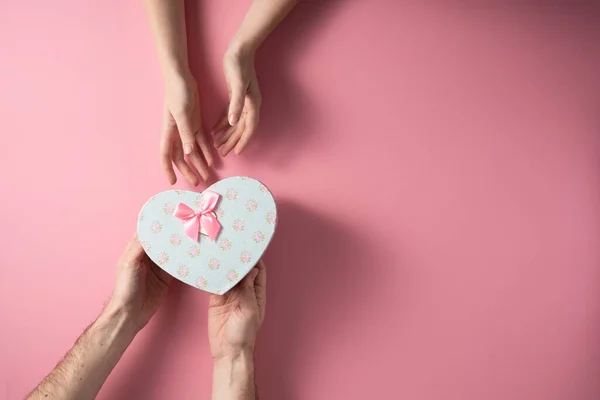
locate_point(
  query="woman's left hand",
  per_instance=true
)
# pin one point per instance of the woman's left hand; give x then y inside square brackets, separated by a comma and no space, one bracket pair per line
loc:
[234,130]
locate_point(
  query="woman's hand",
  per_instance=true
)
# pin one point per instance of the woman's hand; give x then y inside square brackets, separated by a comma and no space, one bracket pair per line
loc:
[234,130]
[238,125]
[182,133]
[235,317]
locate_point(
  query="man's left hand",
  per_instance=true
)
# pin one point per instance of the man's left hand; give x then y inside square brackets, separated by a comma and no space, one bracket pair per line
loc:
[141,285]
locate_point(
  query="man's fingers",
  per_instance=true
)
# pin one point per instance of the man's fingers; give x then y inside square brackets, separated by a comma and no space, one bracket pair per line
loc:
[260,288]
[182,166]
[134,243]
[134,250]
[161,274]
[249,279]
[236,103]
[261,275]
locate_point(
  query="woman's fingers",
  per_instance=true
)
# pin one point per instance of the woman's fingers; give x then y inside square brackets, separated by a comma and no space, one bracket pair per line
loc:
[220,127]
[251,121]
[185,125]
[237,137]
[169,130]
[233,138]
[204,148]
[238,93]
[166,148]
[199,164]
[224,136]
[181,165]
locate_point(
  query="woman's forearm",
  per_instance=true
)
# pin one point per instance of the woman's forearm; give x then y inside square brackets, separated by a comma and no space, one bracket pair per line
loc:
[167,22]
[86,366]
[262,17]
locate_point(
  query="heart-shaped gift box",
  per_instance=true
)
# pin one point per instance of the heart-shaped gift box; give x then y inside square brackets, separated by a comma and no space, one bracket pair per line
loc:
[246,212]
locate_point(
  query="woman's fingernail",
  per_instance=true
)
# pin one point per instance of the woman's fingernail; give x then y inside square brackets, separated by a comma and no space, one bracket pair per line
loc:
[233,119]
[187,148]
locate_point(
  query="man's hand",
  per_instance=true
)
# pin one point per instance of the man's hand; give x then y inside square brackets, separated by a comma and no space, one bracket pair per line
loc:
[233,322]
[182,134]
[236,128]
[234,318]
[141,285]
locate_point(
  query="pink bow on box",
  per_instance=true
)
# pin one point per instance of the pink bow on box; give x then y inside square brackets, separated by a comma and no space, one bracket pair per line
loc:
[205,217]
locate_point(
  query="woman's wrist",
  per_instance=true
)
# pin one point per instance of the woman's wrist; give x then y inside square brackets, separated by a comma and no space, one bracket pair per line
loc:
[242,47]
[177,72]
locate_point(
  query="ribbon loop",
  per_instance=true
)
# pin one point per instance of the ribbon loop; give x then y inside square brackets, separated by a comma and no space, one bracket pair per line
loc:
[204,218]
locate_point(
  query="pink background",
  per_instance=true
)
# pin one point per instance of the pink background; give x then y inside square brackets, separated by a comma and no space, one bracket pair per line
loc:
[437,166]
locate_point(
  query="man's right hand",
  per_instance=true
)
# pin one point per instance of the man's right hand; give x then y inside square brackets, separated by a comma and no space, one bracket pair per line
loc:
[233,322]
[235,317]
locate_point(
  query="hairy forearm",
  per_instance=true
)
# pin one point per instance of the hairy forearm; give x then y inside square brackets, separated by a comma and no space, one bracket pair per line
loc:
[233,378]
[86,366]
[262,17]
[167,22]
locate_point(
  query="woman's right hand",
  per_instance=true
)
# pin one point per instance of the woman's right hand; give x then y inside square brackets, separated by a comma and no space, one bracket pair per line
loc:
[183,142]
